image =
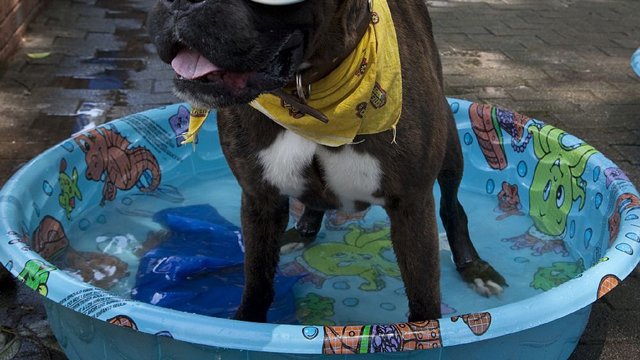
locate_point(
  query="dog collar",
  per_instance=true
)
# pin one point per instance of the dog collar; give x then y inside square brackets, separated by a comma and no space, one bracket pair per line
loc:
[363,95]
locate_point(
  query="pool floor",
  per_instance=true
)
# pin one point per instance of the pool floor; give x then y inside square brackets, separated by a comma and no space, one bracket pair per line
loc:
[349,274]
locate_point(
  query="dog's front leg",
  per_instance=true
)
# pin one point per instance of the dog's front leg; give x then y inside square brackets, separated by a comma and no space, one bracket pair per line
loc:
[263,218]
[415,241]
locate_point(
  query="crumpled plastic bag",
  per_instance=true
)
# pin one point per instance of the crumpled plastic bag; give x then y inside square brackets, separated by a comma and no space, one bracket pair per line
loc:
[198,267]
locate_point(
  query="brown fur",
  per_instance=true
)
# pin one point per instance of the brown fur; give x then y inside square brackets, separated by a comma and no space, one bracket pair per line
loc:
[426,148]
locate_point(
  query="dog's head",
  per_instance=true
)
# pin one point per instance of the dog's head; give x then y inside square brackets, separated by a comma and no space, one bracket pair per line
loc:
[227,52]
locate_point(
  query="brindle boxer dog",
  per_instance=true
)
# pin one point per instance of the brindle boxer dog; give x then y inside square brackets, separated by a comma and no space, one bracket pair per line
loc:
[235,50]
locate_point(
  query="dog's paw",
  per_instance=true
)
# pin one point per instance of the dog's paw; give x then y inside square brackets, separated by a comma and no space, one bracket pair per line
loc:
[292,241]
[291,248]
[486,288]
[483,278]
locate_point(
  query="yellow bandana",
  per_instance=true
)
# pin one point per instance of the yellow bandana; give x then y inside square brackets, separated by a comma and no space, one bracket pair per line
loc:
[362,96]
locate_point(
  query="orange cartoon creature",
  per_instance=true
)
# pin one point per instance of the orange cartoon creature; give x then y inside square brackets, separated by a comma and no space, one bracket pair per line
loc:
[109,153]
[509,201]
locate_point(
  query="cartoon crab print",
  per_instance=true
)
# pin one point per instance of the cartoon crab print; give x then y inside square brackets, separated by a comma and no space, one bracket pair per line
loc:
[361,254]
[509,201]
[557,181]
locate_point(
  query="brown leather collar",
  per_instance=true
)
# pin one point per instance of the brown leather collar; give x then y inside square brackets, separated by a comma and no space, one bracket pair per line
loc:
[304,91]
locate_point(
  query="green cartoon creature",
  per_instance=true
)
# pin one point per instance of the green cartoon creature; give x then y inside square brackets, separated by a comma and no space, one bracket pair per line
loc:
[35,275]
[314,309]
[69,190]
[557,181]
[549,277]
[362,254]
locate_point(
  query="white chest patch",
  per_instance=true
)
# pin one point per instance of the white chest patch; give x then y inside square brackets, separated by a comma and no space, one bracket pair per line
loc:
[285,160]
[349,175]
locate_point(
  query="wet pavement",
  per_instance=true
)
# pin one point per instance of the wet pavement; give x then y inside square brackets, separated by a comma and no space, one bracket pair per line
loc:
[562,61]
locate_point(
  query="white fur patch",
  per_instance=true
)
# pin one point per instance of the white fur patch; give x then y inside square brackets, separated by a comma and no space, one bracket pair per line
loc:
[285,160]
[351,176]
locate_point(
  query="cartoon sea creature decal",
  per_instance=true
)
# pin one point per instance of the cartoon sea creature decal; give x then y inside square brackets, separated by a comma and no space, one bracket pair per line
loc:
[123,321]
[509,201]
[626,202]
[344,340]
[538,242]
[477,323]
[607,284]
[108,155]
[69,190]
[560,272]
[50,241]
[614,174]
[294,268]
[314,309]
[180,124]
[35,275]
[488,123]
[334,220]
[362,254]
[557,181]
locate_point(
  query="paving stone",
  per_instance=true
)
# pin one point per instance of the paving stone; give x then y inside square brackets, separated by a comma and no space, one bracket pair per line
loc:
[625,296]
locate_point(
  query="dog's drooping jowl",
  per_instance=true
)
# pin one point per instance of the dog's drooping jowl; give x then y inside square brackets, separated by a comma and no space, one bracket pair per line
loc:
[339,104]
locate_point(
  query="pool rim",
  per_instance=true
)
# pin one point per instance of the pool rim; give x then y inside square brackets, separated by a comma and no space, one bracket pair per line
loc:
[295,339]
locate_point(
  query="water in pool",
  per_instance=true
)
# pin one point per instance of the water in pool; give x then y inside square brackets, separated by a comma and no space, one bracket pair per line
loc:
[349,274]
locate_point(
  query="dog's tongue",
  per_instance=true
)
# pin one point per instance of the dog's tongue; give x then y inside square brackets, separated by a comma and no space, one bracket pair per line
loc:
[190,64]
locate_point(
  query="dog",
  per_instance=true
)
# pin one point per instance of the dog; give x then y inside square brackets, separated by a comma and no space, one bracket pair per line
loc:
[250,60]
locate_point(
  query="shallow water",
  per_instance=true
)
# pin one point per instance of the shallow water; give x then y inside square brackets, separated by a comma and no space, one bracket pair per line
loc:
[349,274]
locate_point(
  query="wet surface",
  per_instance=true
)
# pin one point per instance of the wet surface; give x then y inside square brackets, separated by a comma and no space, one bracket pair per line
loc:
[108,80]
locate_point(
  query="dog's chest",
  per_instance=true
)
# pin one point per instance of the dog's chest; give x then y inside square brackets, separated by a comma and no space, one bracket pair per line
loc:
[351,176]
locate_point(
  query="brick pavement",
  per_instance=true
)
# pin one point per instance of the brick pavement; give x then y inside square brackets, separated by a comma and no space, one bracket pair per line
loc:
[562,61]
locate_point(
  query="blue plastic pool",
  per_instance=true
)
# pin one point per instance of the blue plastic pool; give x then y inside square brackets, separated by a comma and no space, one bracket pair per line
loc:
[554,216]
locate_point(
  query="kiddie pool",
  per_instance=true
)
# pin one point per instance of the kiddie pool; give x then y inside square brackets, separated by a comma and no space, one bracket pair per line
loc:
[554,216]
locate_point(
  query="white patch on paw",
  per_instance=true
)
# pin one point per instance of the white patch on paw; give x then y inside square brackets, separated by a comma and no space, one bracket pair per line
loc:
[487,288]
[291,247]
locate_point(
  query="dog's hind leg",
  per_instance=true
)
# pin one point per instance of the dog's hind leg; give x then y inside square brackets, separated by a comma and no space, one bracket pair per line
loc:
[263,221]
[475,271]
[305,231]
[414,235]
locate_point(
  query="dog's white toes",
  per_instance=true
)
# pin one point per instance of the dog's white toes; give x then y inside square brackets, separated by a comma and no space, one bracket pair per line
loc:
[495,288]
[291,247]
[487,288]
